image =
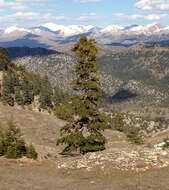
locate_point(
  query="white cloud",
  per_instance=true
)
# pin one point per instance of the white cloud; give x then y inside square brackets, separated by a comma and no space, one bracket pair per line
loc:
[12,5]
[152,5]
[87,1]
[150,17]
[27,19]
[19,4]
[164,7]
[87,17]
[32,1]
[127,17]
[144,5]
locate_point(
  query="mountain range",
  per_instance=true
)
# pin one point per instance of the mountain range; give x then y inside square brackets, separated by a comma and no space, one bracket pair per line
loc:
[51,35]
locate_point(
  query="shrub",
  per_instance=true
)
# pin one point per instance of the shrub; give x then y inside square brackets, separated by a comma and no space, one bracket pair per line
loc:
[166,145]
[63,112]
[12,145]
[118,123]
[134,136]
[2,148]
[131,132]
[31,152]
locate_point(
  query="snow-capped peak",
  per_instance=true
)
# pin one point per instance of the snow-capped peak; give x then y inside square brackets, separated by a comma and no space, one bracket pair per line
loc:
[68,30]
[137,28]
[53,27]
[148,29]
[14,28]
[112,28]
[155,27]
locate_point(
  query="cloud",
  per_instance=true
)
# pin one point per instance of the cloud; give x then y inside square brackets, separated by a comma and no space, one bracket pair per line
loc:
[152,5]
[32,1]
[87,1]
[19,4]
[12,5]
[88,17]
[27,19]
[150,17]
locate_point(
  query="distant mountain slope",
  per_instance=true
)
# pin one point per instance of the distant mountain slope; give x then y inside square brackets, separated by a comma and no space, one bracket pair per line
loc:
[138,75]
[16,52]
[147,63]
[51,35]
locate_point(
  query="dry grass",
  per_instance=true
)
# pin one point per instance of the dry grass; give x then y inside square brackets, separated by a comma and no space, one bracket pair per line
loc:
[42,130]
[45,176]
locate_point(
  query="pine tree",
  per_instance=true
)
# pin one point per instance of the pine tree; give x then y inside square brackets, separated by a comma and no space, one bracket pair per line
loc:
[27,91]
[46,93]
[36,81]
[58,96]
[18,96]
[84,132]
[8,89]
[4,59]
[31,152]
[14,145]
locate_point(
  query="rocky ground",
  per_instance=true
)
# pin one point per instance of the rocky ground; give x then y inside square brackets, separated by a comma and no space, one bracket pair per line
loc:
[45,176]
[121,166]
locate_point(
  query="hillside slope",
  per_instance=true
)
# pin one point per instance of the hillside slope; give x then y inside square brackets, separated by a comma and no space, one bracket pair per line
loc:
[98,170]
[27,89]
[136,75]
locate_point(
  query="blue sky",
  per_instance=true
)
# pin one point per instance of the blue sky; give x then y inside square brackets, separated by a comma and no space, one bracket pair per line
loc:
[27,13]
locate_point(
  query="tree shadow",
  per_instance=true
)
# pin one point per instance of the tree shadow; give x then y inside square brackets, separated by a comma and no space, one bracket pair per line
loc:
[121,96]
[18,52]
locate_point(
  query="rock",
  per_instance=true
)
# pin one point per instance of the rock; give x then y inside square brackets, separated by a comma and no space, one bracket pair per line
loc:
[140,164]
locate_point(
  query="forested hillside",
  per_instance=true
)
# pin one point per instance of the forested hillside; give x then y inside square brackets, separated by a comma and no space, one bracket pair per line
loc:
[22,88]
[135,76]
[146,63]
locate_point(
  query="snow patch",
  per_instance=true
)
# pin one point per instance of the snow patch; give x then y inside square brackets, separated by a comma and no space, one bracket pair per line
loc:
[14,28]
[68,30]
[112,28]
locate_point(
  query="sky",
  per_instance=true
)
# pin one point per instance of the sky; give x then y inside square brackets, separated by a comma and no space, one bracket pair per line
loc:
[30,13]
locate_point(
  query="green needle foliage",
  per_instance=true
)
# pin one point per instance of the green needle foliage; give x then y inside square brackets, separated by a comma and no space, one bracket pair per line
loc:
[31,152]
[83,133]
[12,145]
[11,142]
[4,59]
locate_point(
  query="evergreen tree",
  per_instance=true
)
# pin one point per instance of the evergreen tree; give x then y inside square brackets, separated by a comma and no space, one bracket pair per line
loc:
[46,93]
[8,89]
[4,59]
[59,96]
[18,96]
[27,91]
[36,81]
[31,152]
[84,132]
[13,144]
[14,79]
